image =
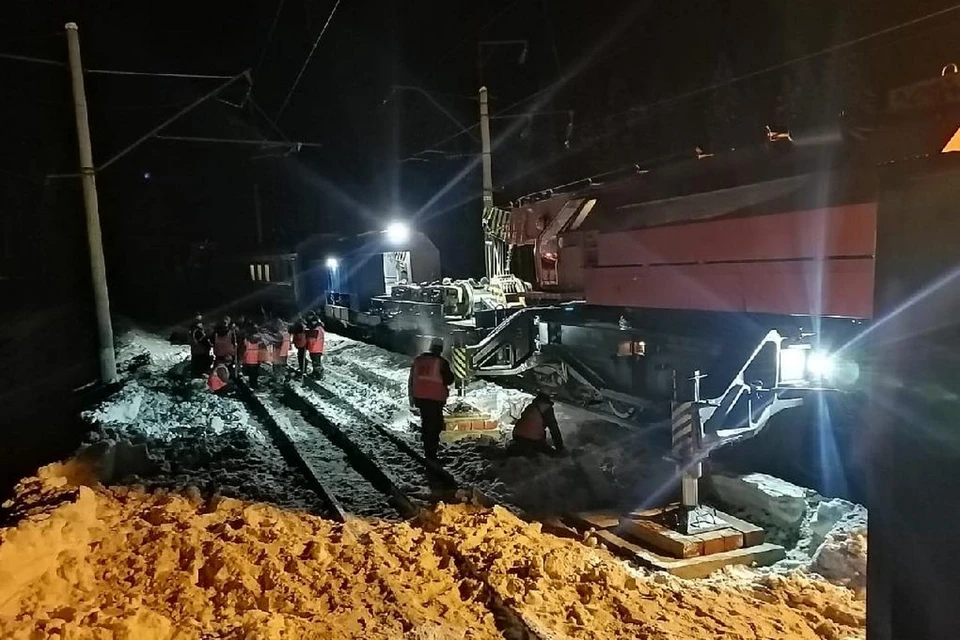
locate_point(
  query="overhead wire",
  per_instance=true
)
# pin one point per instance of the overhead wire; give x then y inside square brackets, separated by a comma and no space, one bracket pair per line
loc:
[306,62]
[782,65]
[116,72]
[479,31]
[263,51]
[718,85]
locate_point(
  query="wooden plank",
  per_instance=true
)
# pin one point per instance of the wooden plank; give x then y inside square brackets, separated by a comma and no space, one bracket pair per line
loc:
[595,519]
[696,567]
[752,534]
[720,540]
[660,537]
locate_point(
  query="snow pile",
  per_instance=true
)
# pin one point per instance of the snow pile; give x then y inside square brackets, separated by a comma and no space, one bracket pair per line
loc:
[823,536]
[135,346]
[88,562]
[161,432]
[605,467]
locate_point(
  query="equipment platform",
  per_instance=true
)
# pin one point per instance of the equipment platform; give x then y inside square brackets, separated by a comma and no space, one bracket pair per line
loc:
[644,538]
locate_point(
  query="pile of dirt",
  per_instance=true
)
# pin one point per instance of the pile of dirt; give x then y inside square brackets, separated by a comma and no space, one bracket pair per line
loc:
[85,561]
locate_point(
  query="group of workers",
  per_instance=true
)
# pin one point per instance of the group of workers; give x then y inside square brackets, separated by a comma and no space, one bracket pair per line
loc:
[429,382]
[217,352]
[246,347]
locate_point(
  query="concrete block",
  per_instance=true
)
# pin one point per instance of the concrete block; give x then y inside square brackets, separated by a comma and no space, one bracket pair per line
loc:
[763,499]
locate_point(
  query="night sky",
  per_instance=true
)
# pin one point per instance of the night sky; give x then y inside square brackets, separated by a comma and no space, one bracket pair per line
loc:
[393,152]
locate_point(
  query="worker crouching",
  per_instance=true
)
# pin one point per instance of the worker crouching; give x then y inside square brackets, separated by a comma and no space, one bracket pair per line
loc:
[429,382]
[530,430]
[219,380]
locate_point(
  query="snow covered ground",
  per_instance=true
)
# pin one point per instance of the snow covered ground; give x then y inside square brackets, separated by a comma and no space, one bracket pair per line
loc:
[165,430]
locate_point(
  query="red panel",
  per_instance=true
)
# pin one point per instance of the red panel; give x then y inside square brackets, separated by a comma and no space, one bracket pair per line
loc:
[837,231]
[841,288]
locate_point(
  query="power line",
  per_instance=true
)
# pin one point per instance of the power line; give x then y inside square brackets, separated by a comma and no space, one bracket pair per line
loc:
[307,60]
[713,87]
[486,24]
[116,72]
[154,74]
[273,26]
[782,65]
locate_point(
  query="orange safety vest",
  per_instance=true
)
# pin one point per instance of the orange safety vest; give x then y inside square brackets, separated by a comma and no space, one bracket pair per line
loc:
[315,340]
[285,345]
[266,353]
[223,345]
[251,352]
[427,380]
[218,378]
[300,340]
[530,426]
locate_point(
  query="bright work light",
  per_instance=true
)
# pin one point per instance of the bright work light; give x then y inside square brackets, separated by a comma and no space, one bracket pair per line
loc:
[397,232]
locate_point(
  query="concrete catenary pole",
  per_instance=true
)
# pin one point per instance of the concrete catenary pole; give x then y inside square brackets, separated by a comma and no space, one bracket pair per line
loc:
[488,250]
[108,364]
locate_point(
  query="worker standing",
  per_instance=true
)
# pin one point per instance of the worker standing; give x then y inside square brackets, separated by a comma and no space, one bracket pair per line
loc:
[279,334]
[430,377]
[315,339]
[200,359]
[298,332]
[530,430]
[224,341]
[250,353]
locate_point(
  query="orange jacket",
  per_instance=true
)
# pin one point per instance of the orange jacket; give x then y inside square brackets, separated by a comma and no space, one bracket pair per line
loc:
[218,378]
[315,340]
[251,352]
[284,346]
[427,378]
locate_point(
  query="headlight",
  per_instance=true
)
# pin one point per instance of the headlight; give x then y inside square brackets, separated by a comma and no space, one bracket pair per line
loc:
[821,365]
[793,364]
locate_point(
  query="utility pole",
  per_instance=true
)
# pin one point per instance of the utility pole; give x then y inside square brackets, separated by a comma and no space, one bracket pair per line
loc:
[108,364]
[488,248]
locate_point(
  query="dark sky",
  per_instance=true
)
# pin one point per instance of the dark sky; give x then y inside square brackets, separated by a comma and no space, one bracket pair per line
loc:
[394,152]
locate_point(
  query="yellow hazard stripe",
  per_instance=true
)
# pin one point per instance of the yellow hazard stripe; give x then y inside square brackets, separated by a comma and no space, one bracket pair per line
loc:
[461,365]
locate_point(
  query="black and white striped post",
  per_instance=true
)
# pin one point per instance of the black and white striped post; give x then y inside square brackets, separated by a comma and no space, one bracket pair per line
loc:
[687,438]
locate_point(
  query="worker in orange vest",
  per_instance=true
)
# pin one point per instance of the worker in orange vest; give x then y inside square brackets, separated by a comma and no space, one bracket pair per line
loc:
[530,430]
[430,377]
[218,381]
[315,339]
[298,332]
[224,339]
[250,353]
[277,332]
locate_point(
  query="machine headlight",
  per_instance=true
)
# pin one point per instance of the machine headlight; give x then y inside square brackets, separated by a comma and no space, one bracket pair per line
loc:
[332,263]
[821,365]
[793,364]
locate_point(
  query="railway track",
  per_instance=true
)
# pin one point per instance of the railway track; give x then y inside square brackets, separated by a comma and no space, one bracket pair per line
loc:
[286,419]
